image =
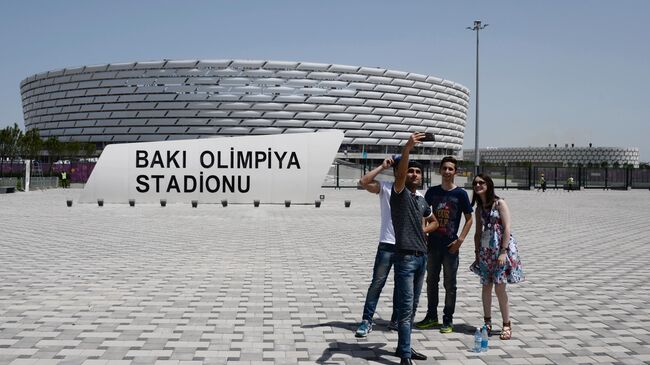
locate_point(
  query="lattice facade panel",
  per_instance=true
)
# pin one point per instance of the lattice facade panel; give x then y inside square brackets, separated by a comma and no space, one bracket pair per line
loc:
[559,155]
[165,100]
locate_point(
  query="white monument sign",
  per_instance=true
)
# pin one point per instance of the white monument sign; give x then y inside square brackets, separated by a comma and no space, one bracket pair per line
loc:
[270,168]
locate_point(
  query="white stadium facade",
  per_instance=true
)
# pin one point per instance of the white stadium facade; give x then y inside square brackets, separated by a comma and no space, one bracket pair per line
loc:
[166,100]
[562,156]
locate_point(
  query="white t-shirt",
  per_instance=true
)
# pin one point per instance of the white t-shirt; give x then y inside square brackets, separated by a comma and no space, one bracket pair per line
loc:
[386,231]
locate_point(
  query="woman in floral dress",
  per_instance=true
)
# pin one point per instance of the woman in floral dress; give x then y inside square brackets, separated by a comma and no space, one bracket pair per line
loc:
[497,258]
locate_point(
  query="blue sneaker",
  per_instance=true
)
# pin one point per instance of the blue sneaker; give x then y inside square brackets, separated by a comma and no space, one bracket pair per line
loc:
[365,327]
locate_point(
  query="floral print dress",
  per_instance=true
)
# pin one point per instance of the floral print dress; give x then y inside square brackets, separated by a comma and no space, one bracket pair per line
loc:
[488,267]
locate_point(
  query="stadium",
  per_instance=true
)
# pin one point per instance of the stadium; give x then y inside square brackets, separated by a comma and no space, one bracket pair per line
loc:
[166,100]
[564,156]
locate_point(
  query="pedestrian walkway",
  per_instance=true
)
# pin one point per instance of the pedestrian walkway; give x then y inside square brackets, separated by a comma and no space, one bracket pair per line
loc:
[176,285]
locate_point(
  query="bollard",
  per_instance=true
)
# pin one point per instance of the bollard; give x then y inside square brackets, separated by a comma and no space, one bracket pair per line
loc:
[347,203]
[317,203]
[195,203]
[256,203]
[68,203]
[287,203]
[163,202]
[224,202]
[132,202]
[100,202]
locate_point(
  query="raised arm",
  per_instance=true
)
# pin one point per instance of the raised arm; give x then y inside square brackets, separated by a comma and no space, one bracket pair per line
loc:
[368,181]
[400,176]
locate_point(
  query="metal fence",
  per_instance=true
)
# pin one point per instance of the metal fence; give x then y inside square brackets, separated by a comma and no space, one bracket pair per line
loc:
[557,177]
[78,172]
[343,175]
[8,182]
[48,182]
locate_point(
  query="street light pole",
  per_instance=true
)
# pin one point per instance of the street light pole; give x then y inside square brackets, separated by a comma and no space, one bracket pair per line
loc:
[477,26]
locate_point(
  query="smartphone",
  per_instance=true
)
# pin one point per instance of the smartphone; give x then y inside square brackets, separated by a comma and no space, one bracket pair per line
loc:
[429,137]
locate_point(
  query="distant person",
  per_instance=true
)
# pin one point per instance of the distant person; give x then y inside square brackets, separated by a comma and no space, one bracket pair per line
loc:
[569,183]
[407,211]
[542,182]
[449,203]
[496,255]
[64,179]
[385,250]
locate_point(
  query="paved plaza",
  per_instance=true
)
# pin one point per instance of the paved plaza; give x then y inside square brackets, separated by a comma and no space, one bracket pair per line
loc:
[273,285]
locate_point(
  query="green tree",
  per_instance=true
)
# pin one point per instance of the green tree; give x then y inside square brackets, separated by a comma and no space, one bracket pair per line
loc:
[4,147]
[14,134]
[31,144]
[88,150]
[72,149]
[54,149]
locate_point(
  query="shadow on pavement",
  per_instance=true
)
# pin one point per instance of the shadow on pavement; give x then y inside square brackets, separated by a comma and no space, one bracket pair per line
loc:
[465,329]
[378,325]
[366,351]
[336,324]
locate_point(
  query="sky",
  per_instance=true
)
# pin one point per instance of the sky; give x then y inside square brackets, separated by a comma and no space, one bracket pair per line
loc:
[551,72]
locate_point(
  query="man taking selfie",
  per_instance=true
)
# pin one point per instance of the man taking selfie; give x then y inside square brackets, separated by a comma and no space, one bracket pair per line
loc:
[407,212]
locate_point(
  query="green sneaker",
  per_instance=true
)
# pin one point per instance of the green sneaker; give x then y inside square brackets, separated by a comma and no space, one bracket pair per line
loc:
[447,328]
[427,323]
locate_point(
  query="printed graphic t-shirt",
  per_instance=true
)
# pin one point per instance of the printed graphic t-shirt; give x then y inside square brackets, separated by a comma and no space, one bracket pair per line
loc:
[448,207]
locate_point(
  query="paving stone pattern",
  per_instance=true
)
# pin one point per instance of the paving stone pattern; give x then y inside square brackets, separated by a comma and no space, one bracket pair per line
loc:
[122,285]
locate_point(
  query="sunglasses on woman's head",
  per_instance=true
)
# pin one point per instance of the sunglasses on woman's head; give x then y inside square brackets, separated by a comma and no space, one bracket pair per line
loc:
[478,182]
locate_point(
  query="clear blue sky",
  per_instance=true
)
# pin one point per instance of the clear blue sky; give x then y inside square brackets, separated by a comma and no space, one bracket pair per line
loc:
[552,71]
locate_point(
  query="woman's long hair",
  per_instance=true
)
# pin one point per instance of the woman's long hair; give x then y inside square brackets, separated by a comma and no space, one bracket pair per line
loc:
[489,193]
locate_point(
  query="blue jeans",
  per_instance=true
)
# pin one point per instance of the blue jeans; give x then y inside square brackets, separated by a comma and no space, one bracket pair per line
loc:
[409,277]
[383,263]
[440,258]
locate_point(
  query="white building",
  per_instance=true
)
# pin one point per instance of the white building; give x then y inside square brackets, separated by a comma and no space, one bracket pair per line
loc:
[558,155]
[163,100]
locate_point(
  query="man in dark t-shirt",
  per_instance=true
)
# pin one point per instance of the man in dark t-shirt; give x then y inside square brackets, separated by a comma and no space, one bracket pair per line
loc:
[407,211]
[448,202]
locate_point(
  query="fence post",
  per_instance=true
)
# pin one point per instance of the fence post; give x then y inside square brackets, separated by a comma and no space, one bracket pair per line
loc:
[338,175]
[27,174]
[579,177]
[628,178]
[505,176]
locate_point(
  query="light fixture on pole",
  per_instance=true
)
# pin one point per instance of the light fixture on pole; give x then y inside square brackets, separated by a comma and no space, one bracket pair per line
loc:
[477,27]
